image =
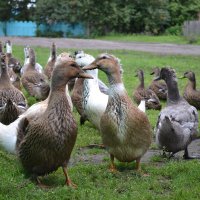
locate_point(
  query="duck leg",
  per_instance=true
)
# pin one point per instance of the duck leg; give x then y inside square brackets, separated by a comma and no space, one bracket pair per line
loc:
[40,184]
[68,181]
[138,166]
[112,165]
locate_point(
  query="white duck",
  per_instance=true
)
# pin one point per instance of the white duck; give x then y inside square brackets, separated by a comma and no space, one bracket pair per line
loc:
[94,102]
[125,130]
[177,123]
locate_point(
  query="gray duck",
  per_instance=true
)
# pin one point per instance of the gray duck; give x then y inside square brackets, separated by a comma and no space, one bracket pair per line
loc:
[177,123]
[152,101]
[46,143]
[35,83]
[191,94]
[125,130]
[159,87]
[12,100]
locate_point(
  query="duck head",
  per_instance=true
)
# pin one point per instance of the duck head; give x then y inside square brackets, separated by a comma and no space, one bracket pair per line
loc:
[155,71]
[83,59]
[107,63]
[166,73]
[190,75]
[140,74]
[66,69]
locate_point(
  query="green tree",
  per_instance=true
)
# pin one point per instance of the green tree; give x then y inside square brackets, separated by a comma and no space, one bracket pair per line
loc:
[16,9]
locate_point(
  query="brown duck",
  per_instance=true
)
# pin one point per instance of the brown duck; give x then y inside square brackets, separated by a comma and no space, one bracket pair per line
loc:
[125,130]
[159,87]
[13,62]
[152,101]
[12,100]
[46,143]
[34,82]
[191,94]
[51,62]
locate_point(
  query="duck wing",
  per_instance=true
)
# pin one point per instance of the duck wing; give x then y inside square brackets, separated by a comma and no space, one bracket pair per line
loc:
[177,126]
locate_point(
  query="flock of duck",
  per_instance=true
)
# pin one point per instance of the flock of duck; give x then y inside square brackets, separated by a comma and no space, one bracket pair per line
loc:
[43,135]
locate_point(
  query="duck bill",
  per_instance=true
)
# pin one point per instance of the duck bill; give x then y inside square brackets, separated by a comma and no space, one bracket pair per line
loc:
[85,75]
[90,67]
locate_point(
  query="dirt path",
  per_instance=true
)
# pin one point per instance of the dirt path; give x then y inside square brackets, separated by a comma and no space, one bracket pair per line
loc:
[106,45]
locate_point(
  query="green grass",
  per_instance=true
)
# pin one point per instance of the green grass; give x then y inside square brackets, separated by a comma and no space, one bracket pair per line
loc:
[148,38]
[168,179]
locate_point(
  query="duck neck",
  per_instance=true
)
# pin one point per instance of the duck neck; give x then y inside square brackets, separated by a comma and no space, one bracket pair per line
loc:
[92,84]
[192,84]
[5,79]
[141,78]
[173,92]
[57,96]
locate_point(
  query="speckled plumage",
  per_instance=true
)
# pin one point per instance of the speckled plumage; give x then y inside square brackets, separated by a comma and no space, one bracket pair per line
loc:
[12,100]
[35,83]
[125,130]
[45,143]
[191,94]
[159,87]
[152,101]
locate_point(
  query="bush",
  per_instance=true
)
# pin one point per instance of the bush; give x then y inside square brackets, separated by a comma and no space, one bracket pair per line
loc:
[173,30]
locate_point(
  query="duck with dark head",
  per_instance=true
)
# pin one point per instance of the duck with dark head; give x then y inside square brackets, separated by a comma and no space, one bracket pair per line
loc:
[177,124]
[152,101]
[191,94]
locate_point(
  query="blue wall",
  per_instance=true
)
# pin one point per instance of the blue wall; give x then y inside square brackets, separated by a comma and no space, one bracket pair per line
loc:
[24,28]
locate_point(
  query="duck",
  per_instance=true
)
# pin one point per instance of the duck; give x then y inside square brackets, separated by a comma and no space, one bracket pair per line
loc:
[152,101]
[177,124]
[94,101]
[125,129]
[45,144]
[83,59]
[191,94]
[51,61]
[12,100]
[37,66]
[35,83]
[159,87]
[8,133]
[13,63]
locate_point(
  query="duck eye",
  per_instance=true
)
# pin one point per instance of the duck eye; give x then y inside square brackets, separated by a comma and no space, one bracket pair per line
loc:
[104,57]
[73,65]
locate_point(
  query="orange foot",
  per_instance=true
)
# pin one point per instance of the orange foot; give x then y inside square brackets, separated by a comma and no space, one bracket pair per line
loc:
[71,184]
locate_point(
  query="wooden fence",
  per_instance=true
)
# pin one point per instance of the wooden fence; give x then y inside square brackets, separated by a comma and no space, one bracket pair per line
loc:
[29,28]
[191,28]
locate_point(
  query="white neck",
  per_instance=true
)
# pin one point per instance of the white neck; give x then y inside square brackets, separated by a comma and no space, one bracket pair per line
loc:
[8,48]
[142,106]
[117,88]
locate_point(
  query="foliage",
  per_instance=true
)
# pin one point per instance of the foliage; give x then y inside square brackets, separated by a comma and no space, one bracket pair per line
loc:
[102,17]
[16,9]
[181,10]
[150,16]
